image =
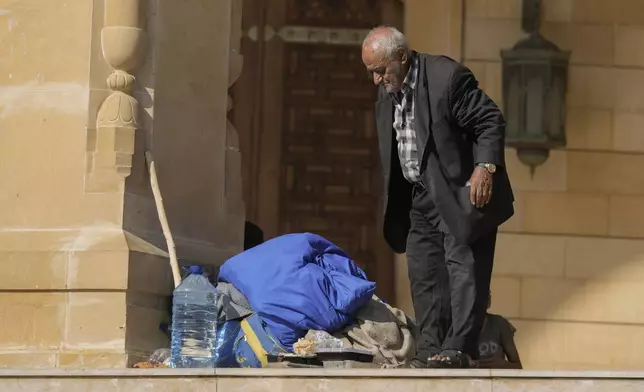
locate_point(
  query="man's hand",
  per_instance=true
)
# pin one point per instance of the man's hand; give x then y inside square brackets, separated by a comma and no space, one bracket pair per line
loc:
[480,187]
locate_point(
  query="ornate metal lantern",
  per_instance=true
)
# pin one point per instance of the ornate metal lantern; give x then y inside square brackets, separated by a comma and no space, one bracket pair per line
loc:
[535,74]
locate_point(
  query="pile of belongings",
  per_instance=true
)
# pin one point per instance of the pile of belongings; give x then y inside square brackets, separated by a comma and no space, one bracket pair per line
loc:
[282,293]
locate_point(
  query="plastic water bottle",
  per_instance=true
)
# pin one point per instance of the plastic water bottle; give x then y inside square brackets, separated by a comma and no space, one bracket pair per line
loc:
[194,322]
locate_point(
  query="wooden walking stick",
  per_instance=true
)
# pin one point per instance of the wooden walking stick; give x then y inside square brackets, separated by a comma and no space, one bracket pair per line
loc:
[174,263]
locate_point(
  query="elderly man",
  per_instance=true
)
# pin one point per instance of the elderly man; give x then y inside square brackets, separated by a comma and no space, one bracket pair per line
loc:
[447,191]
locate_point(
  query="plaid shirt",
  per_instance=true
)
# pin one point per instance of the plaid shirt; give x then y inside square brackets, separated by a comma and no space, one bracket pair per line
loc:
[404,124]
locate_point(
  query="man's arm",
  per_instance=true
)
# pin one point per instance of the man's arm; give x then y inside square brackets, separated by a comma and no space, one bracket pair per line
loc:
[476,112]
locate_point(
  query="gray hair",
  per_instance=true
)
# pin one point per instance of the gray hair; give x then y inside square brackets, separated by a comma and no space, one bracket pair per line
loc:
[389,42]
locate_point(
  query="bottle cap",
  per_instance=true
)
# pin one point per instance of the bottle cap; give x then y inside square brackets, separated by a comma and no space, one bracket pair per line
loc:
[195,270]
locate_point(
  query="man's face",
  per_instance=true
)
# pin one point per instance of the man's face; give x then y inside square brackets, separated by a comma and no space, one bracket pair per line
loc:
[387,72]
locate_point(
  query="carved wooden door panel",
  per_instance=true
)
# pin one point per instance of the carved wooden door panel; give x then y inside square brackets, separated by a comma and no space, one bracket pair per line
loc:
[311,152]
[329,164]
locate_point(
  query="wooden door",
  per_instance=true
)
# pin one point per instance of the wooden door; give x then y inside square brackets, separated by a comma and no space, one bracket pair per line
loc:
[310,149]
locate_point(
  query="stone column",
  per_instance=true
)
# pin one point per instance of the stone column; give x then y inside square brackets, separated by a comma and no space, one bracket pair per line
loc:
[86,86]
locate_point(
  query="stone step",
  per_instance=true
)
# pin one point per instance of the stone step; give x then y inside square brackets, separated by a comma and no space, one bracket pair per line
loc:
[313,380]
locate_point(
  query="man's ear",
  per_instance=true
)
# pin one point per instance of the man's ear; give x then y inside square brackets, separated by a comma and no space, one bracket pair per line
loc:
[403,55]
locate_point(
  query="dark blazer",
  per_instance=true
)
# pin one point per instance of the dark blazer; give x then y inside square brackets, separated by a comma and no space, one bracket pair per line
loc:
[457,125]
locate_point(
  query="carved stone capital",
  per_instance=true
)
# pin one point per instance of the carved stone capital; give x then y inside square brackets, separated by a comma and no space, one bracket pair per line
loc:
[120,81]
[123,44]
[123,47]
[120,110]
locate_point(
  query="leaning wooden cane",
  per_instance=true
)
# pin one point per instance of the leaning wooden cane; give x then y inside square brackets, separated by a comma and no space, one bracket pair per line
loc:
[174,264]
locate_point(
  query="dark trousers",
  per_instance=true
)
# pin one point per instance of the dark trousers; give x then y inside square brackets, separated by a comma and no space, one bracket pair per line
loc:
[450,282]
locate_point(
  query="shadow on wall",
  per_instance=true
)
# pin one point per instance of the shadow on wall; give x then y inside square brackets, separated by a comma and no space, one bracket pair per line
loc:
[574,300]
[566,323]
[186,76]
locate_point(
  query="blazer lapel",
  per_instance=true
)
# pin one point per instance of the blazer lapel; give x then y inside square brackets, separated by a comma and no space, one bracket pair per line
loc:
[385,123]
[422,114]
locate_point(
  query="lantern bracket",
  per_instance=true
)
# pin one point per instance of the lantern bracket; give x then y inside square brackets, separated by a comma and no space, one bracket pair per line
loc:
[531,18]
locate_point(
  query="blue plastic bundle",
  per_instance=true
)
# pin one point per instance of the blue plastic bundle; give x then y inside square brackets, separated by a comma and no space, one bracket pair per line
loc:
[299,282]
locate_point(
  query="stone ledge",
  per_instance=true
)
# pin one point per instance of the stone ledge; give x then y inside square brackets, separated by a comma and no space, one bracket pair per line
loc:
[318,380]
[324,373]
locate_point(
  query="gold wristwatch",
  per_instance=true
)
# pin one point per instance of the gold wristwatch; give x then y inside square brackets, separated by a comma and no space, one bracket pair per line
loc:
[490,167]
